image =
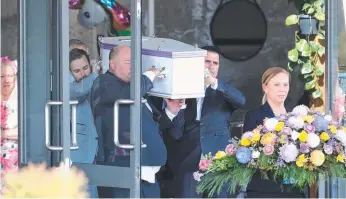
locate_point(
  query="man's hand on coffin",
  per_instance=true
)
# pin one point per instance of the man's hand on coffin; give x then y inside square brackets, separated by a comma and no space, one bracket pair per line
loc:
[210,81]
[154,70]
[174,105]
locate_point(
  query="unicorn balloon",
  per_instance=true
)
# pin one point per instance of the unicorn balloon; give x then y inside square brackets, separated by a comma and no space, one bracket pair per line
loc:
[115,16]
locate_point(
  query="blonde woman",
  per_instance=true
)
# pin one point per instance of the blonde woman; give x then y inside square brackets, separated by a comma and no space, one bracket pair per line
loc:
[9,117]
[275,85]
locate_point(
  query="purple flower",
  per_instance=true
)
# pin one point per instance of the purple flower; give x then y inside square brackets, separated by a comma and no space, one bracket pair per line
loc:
[309,128]
[287,131]
[320,123]
[304,148]
[328,149]
[244,155]
[281,163]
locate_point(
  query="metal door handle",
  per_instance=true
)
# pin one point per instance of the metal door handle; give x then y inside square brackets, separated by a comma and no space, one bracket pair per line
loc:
[47,125]
[116,123]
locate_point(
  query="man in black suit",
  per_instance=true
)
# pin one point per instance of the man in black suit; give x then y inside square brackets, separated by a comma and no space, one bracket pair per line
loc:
[106,89]
[183,151]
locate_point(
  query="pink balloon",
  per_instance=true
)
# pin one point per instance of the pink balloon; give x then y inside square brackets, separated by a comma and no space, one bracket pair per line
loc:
[76,4]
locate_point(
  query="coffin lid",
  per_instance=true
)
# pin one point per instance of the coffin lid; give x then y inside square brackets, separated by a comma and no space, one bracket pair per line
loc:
[159,47]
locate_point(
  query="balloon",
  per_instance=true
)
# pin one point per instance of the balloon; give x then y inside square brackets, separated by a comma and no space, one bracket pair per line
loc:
[92,14]
[76,4]
[119,14]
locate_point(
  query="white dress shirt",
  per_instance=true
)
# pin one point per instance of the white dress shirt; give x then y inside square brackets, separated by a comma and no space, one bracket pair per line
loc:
[201,99]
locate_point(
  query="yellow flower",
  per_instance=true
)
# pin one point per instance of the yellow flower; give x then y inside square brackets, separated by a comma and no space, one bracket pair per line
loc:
[340,158]
[268,139]
[303,136]
[279,126]
[256,137]
[245,142]
[333,129]
[301,160]
[283,139]
[317,157]
[309,119]
[220,154]
[299,163]
[38,182]
[324,136]
[344,129]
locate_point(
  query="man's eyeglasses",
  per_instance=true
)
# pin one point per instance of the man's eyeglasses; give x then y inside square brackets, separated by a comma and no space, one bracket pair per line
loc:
[8,76]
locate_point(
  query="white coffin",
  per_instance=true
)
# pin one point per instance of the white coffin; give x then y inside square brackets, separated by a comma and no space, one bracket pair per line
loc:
[184,65]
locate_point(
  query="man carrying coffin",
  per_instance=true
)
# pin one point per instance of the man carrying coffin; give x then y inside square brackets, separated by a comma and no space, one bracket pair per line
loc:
[215,109]
[114,85]
[183,151]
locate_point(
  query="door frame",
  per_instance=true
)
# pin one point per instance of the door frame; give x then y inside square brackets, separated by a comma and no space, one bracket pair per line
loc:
[44,76]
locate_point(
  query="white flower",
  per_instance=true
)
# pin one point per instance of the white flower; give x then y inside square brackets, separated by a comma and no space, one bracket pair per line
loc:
[197,176]
[270,124]
[300,110]
[255,154]
[341,136]
[313,140]
[328,149]
[294,135]
[295,122]
[289,152]
[247,135]
[329,118]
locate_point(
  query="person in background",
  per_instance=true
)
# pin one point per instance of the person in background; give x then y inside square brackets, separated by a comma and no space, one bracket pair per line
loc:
[9,117]
[76,43]
[275,84]
[80,88]
[114,85]
[215,109]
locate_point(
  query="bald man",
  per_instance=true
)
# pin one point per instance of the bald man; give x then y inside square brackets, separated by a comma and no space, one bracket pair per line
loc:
[114,85]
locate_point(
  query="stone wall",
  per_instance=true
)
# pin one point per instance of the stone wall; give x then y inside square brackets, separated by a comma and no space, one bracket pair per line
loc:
[188,21]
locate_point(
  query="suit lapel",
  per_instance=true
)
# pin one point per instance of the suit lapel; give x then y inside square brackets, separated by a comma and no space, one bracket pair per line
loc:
[267,110]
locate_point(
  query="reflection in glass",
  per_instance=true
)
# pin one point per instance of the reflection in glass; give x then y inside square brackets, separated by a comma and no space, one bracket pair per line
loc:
[9,116]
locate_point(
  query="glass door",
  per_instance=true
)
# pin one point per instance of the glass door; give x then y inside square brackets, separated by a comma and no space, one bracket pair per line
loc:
[56,120]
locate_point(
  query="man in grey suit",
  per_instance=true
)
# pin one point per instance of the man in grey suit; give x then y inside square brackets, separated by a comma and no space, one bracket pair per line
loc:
[80,87]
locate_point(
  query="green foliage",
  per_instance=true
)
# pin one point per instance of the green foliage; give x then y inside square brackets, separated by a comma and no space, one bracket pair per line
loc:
[229,171]
[307,51]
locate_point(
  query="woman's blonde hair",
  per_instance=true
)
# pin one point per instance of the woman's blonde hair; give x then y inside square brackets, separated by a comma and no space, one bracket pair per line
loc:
[269,74]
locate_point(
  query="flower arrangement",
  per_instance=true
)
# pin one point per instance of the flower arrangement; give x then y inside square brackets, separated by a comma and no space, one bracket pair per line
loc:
[298,146]
[36,181]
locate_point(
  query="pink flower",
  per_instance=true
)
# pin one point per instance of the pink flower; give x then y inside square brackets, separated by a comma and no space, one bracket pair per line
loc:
[230,149]
[4,116]
[268,149]
[204,164]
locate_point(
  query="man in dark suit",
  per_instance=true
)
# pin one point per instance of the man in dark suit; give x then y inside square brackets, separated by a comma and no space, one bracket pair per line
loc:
[114,85]
[183,151]
[215,109]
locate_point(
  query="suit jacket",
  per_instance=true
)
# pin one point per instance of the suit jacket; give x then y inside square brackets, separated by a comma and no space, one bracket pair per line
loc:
[258,187]
[86,131]
[182,140]
[217,109]
[108,88]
